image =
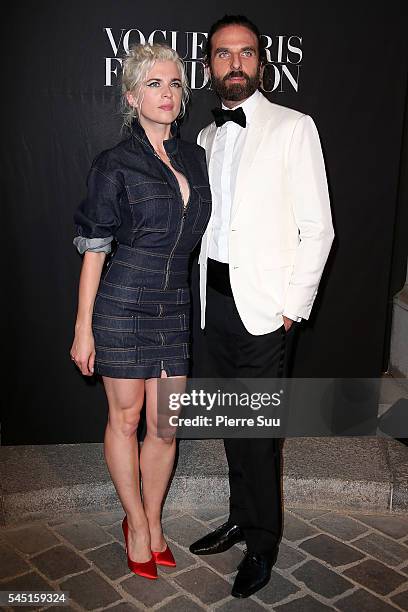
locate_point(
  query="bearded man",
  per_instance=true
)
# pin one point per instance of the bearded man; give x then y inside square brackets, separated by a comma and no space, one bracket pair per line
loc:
[261,260]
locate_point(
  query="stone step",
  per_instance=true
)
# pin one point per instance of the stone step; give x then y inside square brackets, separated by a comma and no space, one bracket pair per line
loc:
[47,481]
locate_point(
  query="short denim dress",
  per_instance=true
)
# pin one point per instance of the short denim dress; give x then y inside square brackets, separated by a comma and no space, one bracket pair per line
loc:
[134,210]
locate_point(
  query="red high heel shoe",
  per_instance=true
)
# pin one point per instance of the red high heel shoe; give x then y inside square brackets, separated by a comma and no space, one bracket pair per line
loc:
[147,569]
[164,557]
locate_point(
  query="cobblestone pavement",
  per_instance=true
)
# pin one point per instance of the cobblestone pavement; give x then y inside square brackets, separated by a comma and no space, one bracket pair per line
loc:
[327,561]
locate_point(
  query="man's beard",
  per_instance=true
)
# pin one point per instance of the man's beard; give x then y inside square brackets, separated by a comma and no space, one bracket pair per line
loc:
[235,92]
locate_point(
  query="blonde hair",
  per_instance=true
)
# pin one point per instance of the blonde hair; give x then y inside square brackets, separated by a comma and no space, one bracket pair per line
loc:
[135,67]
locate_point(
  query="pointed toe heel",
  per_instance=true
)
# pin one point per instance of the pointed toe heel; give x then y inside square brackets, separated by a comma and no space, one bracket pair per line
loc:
[147,569]
[164,557]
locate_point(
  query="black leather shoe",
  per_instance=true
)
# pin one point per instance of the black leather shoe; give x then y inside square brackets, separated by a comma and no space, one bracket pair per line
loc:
[254,572]
[218,541]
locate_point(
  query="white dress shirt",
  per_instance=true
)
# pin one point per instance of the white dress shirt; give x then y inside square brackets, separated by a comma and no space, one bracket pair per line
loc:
[226,154]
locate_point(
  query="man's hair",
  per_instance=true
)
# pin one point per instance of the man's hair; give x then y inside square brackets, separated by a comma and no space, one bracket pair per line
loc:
[239,20]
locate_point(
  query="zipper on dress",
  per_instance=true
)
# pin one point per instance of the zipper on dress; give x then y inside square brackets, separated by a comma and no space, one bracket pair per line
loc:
[186,205]
[166,282]
[184,208]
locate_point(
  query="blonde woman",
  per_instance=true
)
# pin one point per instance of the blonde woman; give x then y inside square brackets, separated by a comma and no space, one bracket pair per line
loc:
[148,196]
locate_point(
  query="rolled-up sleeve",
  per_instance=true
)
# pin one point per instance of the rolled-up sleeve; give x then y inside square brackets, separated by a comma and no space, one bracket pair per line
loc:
[98,216]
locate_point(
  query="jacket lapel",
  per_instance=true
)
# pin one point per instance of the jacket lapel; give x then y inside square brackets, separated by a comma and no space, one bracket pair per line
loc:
[208,146]
[209,142]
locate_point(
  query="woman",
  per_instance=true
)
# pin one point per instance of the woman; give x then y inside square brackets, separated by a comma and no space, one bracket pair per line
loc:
[149,195]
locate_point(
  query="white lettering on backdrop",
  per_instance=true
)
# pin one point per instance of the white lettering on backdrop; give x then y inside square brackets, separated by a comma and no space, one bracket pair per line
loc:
[283,53]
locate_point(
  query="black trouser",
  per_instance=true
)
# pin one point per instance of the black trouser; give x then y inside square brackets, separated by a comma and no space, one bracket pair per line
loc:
[254,463]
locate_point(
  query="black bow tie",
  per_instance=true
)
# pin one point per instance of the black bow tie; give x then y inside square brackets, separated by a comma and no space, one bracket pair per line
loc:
[221,115]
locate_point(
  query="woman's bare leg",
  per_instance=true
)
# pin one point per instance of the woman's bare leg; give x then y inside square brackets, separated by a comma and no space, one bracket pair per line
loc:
[125,397]
[156,463]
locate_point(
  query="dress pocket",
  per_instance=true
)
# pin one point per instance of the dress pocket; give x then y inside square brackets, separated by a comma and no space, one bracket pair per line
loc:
[150,205]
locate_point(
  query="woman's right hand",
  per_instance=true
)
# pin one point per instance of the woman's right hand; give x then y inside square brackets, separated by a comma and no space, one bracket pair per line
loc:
[83,352]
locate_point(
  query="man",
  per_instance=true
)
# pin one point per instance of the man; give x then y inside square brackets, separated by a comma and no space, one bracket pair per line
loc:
[261,261]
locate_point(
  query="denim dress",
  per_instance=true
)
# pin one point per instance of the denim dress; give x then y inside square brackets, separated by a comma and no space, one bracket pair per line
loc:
[134,210]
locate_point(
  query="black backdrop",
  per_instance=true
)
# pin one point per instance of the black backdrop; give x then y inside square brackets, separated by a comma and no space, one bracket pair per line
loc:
[58,113]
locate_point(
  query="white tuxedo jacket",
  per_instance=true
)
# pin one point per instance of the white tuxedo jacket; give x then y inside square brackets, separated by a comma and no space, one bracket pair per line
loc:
[280,230]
